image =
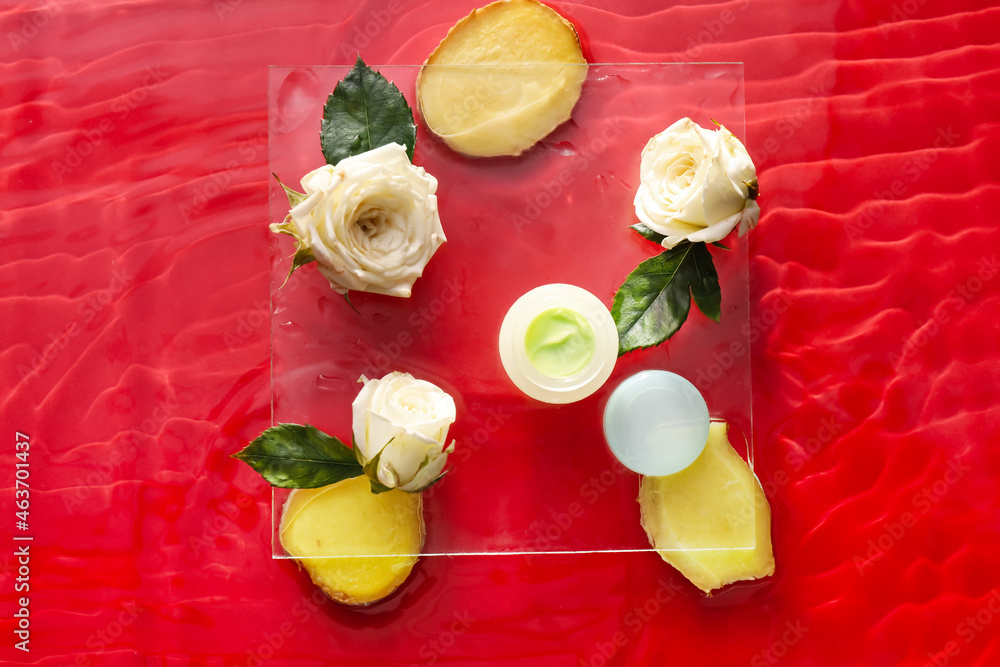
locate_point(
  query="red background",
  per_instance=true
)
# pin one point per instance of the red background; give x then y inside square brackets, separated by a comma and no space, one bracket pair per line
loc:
[135,346]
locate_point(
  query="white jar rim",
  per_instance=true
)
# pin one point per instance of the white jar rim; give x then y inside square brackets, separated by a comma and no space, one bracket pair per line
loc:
[529,379]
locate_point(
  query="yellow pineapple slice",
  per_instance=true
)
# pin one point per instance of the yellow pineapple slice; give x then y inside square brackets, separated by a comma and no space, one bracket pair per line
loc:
[503,78]
[711,520]
[358,547]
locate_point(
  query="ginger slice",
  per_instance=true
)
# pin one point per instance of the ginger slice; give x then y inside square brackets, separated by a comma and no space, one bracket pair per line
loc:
[358,547]
[711,520]
[503,78]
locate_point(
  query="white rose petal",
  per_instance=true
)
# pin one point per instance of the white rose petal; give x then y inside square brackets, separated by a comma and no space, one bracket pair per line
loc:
[371,221]
[695,184]
[407,420]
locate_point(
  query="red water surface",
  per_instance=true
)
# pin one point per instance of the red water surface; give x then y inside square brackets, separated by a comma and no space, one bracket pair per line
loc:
[136,348]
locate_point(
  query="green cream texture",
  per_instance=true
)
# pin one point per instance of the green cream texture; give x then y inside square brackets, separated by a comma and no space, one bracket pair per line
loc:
[559,342]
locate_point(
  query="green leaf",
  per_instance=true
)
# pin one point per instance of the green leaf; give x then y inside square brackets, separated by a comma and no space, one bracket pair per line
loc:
[303,253]
[378,487]
[300,456]
[705,283]
[365,111]
[357,451]
[654,301]
[371,471]
[294,197]
[347,298]
[433,481]
[647,233]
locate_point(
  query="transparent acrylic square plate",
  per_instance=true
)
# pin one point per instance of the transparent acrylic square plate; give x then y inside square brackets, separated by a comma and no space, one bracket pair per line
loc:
[525,476]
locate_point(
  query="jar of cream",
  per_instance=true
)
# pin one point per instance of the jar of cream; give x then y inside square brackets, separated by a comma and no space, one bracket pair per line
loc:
[558,343]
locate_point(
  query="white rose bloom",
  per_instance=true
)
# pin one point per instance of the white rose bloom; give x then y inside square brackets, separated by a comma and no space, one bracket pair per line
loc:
[407,420]
[371,222]
[696,184]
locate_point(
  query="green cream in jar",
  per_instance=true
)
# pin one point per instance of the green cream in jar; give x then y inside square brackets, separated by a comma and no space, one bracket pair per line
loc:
[559,342]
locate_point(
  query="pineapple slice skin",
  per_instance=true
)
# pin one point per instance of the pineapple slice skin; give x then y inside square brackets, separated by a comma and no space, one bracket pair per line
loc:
[503,78]
[711,520]
[357,547]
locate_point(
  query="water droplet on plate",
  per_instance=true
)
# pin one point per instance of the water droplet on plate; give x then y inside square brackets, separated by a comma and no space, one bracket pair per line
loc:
[296,99]
[329,382]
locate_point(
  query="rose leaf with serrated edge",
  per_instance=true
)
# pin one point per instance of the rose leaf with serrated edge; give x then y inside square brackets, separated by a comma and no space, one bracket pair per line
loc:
[365,111]
[654,301]
[300,456]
